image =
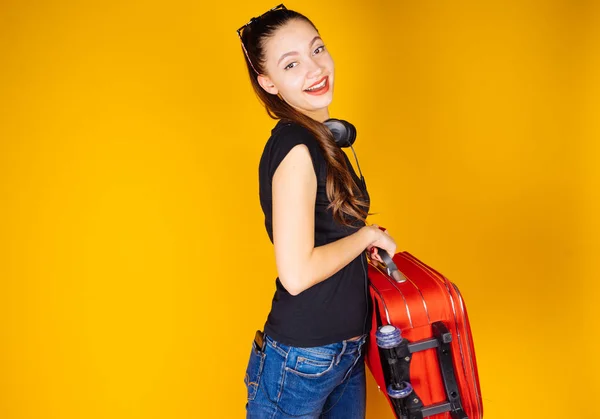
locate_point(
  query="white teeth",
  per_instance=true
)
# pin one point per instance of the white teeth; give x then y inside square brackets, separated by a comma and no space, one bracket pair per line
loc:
[318,86]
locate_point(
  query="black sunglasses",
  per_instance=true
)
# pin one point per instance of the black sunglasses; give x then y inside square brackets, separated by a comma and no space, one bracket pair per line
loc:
[239,31]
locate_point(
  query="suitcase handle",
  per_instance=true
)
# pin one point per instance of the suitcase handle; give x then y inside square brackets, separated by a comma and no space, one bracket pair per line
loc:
[390,266]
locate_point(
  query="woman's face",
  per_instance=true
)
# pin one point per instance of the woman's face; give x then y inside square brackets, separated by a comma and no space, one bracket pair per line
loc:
[296,60]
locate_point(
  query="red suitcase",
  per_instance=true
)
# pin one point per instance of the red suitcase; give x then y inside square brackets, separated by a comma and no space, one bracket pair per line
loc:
[429,368]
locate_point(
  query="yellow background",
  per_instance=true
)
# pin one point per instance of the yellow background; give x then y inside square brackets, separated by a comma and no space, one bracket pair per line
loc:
[135,266]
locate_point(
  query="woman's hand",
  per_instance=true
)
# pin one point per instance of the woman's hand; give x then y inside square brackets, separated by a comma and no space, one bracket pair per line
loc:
[384,241]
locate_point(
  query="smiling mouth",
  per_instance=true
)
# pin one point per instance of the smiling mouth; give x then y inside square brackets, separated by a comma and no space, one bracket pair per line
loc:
[318,85]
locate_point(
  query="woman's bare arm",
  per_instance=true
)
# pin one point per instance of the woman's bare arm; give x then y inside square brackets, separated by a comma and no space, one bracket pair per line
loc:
[300,265]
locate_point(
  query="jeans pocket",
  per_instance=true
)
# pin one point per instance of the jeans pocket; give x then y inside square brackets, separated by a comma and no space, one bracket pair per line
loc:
[254,371]
[311,365]
[308,380]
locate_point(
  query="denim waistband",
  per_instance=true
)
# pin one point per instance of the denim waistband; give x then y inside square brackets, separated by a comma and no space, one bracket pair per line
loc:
[344,346]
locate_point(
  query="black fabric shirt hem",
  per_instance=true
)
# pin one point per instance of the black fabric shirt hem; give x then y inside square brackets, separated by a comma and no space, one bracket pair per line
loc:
[308,343]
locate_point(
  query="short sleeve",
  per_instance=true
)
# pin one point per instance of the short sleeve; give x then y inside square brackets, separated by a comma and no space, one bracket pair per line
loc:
[287,138]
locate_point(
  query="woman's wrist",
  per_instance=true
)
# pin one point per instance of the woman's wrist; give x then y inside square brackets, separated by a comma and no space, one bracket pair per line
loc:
[372,233]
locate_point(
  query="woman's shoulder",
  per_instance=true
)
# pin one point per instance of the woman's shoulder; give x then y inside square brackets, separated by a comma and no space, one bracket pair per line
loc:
[285,136]
[286,131]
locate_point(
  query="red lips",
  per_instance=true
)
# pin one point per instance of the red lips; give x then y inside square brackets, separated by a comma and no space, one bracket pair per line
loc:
[314,84]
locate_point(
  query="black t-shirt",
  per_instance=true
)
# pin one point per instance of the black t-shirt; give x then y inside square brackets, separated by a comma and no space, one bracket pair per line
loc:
[338,307]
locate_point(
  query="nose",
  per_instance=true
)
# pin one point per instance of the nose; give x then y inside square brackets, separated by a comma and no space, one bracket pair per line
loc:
[315,70]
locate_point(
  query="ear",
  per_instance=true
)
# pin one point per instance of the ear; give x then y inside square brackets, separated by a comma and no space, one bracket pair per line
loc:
[267,84]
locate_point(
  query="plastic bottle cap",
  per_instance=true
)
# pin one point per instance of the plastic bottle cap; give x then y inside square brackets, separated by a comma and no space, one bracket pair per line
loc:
[387,329]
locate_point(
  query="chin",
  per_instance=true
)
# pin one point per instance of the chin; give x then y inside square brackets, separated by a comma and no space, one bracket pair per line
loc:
[320,102]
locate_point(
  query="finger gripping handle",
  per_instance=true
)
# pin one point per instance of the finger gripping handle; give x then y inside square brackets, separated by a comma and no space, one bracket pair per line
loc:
[391,267]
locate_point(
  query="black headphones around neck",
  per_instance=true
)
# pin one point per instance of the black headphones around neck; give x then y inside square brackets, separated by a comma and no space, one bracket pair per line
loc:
[345,135]
[343,131]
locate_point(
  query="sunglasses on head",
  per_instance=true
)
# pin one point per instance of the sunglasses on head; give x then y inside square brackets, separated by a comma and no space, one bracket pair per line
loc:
[239,31]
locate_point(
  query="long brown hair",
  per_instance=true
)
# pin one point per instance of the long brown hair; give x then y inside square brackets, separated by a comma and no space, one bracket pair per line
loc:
[346,199]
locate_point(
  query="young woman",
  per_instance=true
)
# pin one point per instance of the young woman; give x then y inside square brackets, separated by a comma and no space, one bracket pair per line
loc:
[309,361]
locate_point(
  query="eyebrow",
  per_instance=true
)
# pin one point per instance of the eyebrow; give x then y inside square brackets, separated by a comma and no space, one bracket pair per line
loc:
[296,52]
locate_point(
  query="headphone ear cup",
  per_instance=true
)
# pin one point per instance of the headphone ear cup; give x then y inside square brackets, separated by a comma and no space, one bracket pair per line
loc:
[345,135]
[343,131]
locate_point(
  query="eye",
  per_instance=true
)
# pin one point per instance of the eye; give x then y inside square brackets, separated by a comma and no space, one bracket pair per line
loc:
[322,46]
[288,66]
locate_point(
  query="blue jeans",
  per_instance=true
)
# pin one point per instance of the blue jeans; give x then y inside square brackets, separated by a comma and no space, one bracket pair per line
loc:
[307,383]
